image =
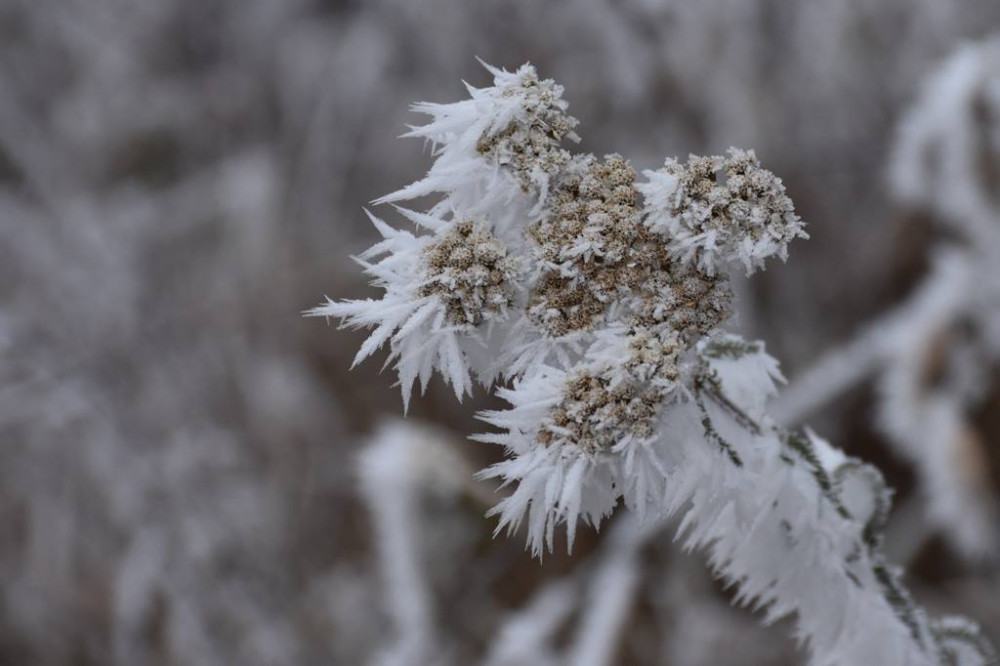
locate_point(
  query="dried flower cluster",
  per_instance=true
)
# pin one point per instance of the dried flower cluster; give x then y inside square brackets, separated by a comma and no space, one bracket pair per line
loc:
[470,272]
[529,144]
[594,414]
[714,209]
[594,305]
[591,245]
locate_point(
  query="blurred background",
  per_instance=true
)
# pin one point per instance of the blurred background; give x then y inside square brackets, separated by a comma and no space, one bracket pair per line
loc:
[179,179]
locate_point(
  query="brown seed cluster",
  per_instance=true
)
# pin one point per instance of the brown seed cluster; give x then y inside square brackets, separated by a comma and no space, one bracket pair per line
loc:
[592,242]
[734,198]
[653,358]
[600,409]
[595,415]
[599,257]
[757,196]
[530,145]
[470,271]
[596,250]
[686,300]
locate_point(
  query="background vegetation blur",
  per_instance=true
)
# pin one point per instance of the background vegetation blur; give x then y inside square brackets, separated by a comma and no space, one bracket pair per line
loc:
[180,179]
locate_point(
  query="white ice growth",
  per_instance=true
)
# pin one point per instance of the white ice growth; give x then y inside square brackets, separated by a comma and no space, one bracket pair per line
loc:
[420,336]
[400,464]
[926,389]
[518,122]
[947,156]
[933,354]
[560,481]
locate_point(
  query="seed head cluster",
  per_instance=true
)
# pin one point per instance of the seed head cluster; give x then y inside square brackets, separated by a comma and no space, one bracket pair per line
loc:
[530,144]
[609,281]
[685,300]
[471,272]
[600,260]
[726,206]
[595,414]
[654,358]
[591,243]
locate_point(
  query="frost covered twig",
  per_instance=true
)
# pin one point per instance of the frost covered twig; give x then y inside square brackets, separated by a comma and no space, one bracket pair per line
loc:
[596,302]
[947,161]
[525,638]
[603,589]
[932,354]
[836,372]
[910,351]
[401,461]
[611,595]
[947,157]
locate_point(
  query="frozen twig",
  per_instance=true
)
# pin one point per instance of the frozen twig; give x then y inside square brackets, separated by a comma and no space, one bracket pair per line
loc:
[401,462]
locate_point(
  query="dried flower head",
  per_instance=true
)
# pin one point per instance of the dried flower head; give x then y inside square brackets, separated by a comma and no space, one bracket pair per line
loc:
[470,271]
[597,414]
[717,210]
[591,245]
[686,300]
[529,142]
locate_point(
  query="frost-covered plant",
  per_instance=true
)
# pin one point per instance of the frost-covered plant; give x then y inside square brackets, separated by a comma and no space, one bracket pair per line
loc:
[947,157]
[400,461]
[947,161]
[594,304]
[935,354]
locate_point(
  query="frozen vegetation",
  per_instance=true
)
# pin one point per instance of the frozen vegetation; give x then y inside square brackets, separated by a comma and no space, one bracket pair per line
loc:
[191,473]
